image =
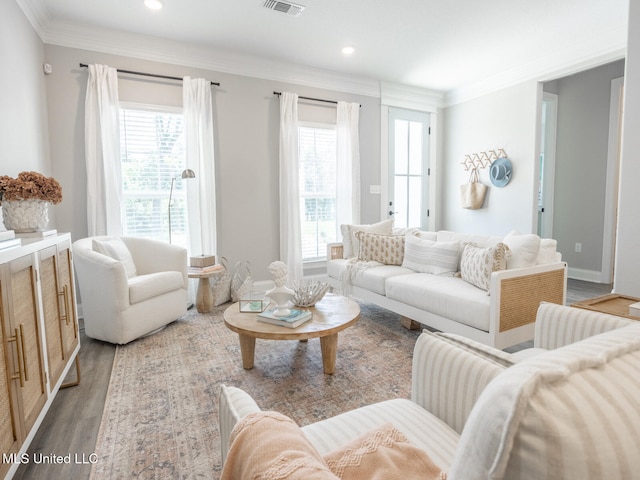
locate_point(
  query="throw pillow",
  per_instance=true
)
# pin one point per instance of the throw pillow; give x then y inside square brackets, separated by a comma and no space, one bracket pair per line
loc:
[381,454]
[548,251]
[266,445]
[351,243]
[524,249]
[387,249]
[427,256]
[477,264]
[115,248]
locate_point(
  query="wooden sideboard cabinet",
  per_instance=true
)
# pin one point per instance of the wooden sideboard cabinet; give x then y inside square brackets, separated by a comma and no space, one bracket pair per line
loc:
[39,338]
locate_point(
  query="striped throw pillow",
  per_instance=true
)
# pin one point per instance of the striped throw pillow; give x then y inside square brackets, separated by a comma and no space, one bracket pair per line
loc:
[427,256]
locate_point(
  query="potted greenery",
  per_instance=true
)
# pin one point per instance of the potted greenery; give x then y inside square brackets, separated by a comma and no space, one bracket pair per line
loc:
[25,200]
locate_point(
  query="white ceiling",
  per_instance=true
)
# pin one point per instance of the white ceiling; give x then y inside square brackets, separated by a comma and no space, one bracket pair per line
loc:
[445,45]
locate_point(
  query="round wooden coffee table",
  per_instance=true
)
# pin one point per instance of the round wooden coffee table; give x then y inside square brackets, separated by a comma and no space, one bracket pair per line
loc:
[331,315]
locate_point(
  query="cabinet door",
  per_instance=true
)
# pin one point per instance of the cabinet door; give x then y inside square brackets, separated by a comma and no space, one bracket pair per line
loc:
[66,294]
[22,308]
[10,433]
[51,309]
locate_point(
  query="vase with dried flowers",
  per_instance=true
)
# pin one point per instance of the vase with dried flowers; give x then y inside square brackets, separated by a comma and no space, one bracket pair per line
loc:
[25,200]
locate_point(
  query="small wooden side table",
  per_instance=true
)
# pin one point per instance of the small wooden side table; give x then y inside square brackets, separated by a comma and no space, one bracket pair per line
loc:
[204,294]
[613,304]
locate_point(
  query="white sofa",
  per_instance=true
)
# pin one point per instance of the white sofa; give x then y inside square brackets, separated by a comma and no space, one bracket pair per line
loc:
[568,413]
[501,315]
[129,287]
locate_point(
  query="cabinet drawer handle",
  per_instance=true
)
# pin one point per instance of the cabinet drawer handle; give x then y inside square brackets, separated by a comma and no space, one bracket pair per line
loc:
[24,356]
[19,350]
[65,300]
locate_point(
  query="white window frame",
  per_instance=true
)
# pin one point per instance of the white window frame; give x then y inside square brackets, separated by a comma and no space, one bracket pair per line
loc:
[177,192]
[319,261]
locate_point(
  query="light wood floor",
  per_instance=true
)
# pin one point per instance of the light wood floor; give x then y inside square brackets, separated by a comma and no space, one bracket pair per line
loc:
[72,423]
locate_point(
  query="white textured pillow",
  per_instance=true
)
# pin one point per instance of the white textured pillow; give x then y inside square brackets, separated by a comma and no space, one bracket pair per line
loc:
[548,251]
[115,248]
[524,249]
[427,256]
[477,264]
[351,245]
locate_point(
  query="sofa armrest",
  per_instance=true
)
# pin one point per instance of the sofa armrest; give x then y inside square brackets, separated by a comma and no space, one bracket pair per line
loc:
[335,251]
[234,404]
[447,379]
[516,294]
[558,325]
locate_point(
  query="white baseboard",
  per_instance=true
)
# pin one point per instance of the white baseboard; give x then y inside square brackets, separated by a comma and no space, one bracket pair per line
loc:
[586,275]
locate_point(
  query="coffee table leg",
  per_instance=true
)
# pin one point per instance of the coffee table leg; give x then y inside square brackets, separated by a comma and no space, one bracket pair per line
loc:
[329,349]
[247,349]
[204,296]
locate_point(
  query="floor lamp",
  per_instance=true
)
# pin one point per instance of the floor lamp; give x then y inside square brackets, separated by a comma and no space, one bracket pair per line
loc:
[186,173]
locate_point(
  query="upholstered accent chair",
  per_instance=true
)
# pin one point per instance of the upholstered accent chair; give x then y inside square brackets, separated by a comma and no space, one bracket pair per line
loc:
[129,287]
[568,412]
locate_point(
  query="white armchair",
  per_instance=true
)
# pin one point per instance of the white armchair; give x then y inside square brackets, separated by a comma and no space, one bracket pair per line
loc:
[129,287]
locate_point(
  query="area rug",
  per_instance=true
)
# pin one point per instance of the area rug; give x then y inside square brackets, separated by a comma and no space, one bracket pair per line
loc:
[160,419]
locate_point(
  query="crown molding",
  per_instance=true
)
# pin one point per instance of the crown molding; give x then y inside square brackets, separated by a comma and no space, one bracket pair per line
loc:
[37,14]
[593,53]
[197,56]
[414,98]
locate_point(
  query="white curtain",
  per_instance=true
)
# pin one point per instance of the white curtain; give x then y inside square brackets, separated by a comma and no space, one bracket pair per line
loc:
[201,191]
[290,236]
[348,167]
[102,152]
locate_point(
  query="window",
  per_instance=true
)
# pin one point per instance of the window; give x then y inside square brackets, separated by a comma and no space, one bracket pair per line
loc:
[317,158]
[152,153]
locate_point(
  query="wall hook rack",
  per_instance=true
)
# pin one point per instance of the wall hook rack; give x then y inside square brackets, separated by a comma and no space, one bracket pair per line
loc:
[482,159]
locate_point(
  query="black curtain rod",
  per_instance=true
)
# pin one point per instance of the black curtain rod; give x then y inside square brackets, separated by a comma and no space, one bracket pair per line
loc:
[154,75]
[313,99]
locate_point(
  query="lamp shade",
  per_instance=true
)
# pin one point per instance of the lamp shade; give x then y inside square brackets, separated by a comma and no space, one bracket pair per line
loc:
[188,173]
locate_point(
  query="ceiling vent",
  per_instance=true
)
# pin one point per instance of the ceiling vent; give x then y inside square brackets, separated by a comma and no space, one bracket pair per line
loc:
[284,7]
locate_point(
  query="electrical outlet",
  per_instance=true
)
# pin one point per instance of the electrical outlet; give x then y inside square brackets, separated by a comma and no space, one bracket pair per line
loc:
[578,247]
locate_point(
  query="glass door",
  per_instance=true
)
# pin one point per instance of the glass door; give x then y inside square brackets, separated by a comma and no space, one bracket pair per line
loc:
[408,168]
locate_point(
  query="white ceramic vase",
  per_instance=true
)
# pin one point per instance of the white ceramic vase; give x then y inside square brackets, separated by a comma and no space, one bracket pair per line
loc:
[29,215]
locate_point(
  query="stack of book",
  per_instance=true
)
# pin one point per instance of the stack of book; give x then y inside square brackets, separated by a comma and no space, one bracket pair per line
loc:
[8,239]
[209,269]
[294,319]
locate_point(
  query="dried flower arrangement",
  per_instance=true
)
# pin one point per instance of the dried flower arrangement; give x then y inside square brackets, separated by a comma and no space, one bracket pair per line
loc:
[30,185]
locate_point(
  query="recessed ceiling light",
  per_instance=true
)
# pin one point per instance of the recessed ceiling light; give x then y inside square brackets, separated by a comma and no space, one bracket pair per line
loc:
[153,4]
[348,50]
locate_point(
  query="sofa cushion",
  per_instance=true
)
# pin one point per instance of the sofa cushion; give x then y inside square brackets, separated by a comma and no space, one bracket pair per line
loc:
[427,256]
[349,241]
[480,240]
[477,263]
[423,430]
[144,287]
[386,249]
[524,249]
[374,278]
[115,248]
[448,297]
[577,407]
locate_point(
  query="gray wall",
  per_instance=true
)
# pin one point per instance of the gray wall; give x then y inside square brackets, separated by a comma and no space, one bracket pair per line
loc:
[23,108]
[505,119]
[246,119]
[581,163]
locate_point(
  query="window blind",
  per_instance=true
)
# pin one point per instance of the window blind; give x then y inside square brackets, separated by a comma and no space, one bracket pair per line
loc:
[152,153]
[317,158]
